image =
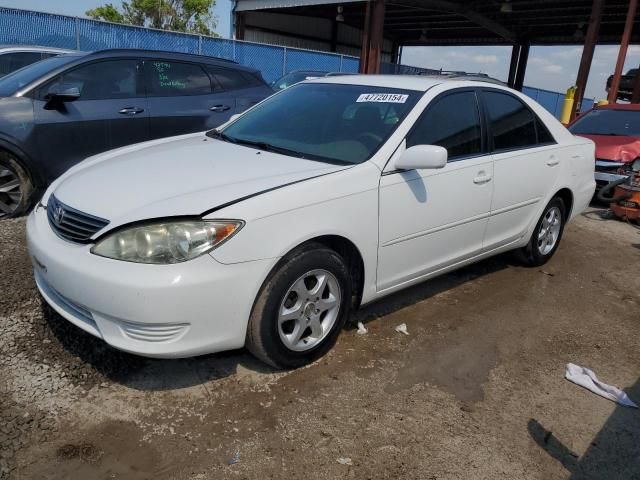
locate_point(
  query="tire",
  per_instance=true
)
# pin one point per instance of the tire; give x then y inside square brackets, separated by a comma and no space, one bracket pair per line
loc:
[539,249]
[16,188]
[290,325]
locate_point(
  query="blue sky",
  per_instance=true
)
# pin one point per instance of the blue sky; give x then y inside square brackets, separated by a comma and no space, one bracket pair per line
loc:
[553,68]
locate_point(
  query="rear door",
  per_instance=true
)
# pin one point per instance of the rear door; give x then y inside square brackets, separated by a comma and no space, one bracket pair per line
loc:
[526,166]
[246,87]
[183,98]
[111,112]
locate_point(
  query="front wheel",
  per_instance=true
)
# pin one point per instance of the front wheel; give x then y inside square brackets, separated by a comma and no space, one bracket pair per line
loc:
[301,308]
[547,234]
[15,187]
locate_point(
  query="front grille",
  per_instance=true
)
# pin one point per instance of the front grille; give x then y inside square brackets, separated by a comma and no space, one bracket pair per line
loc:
[71,224]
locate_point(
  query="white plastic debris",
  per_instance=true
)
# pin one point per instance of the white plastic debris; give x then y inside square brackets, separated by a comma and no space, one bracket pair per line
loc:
[361,329]
[344,461]
[402,328]
[586,378]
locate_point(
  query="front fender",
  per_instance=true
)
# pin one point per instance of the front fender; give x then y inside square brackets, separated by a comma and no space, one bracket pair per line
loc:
[344,204]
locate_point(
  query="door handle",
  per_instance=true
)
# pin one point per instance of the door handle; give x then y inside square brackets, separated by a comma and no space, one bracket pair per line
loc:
[220,108]
[131,110]
[553,161]
[481,179]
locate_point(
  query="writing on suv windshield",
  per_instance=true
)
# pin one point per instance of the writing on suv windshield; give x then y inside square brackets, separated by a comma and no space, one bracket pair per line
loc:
[335,123]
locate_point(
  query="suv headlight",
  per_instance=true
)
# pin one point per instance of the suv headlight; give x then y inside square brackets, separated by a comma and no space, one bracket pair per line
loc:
[166,242]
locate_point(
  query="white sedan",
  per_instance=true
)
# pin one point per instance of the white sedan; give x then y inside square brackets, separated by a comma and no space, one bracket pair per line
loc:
[270,230]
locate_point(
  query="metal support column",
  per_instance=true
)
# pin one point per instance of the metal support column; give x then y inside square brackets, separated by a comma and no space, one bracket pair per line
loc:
[364,51]
[622,53]
[587,54]
[513,65]
[635,95]
[521,70]
[376,38]
[240,25]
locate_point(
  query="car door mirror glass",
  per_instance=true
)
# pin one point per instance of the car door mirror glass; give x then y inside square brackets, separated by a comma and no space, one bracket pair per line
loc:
[422,157]
[63,92]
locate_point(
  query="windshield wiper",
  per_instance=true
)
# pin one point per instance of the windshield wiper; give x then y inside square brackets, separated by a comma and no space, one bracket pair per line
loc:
[220,136]
[267,147]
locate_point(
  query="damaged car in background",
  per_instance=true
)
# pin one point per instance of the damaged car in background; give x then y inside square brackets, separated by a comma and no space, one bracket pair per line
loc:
[615,130]
[268,231]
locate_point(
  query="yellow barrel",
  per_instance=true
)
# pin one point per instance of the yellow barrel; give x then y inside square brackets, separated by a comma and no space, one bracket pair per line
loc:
[567,107]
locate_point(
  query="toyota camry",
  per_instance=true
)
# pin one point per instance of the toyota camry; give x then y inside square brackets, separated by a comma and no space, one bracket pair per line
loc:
[268,231]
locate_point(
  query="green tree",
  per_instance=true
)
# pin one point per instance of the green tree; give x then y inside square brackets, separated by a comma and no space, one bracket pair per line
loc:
[192,16]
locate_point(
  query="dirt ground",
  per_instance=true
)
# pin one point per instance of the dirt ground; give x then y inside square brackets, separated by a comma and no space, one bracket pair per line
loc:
[475,391]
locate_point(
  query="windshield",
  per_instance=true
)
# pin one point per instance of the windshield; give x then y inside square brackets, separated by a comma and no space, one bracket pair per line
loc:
[608,122]
[335,123]
[13,82]
[295,77]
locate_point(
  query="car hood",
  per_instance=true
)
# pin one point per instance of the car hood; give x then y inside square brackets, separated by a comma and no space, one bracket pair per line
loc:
[187,175]
[616,148]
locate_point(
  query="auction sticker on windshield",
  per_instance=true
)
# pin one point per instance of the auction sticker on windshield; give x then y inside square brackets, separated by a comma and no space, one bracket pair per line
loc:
[382,98]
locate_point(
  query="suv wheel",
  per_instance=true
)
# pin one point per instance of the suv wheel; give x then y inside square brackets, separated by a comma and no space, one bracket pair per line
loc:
[15,187]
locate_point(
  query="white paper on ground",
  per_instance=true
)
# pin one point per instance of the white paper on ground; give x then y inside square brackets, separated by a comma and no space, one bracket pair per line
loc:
[361,329]
[586,378]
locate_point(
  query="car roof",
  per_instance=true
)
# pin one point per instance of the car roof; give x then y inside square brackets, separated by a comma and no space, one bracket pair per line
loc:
[405,82]
[32,48]
[143,53]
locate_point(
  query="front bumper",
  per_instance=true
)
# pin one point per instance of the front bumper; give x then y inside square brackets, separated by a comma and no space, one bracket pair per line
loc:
[606,172]
[187,309]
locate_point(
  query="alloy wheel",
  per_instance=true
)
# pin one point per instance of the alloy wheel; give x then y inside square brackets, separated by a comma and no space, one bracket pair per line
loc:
[10,191]
[549,230]
[309,310]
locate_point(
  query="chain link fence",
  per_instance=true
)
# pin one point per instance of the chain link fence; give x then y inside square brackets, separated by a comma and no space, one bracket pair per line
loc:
[24,27]
[35,28]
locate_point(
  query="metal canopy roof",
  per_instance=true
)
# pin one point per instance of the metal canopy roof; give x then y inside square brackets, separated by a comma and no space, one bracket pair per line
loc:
[479,22]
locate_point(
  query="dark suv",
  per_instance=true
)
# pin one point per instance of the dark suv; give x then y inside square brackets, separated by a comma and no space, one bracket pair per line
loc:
[61,110]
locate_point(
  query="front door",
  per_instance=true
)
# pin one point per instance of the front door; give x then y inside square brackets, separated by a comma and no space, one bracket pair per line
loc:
[431,219]
[111,112]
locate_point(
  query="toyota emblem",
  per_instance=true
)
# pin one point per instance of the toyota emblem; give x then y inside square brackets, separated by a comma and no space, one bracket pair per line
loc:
[58,214]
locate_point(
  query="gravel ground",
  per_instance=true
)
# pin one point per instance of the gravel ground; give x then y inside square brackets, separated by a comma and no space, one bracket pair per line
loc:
[475,390]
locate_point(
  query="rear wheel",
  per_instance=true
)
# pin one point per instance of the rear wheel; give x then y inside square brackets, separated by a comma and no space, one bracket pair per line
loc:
[301,308]
[547,234]
[15,187]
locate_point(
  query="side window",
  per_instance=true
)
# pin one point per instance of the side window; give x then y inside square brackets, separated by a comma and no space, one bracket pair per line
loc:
[13,61]
[229,79]
[169,79]
[101,80]
[513,125]
[453,122]
[544,136]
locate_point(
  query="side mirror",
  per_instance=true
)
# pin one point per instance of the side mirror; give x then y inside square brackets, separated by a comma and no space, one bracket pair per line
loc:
[233,117]
[422,157]
[61,93]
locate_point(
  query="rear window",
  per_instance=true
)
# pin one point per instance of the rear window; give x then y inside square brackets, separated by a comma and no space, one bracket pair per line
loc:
[168,79]
[10,62]
[229,79]
[608,122]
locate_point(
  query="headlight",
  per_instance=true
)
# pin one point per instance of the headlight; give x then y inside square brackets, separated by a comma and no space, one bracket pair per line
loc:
[166,242]
[635,166]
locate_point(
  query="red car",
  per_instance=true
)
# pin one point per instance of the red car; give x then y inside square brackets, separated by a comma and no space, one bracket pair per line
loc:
[615,129]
